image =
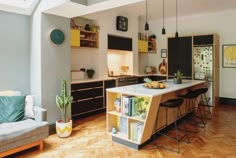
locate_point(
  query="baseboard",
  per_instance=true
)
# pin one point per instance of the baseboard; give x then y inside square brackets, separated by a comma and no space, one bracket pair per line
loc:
[228,101]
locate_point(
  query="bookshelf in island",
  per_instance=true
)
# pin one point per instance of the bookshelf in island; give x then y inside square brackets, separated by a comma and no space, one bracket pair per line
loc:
[132,110]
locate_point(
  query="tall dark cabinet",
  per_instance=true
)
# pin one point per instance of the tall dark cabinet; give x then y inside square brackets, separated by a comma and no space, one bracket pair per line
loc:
[180,56]
[198,58]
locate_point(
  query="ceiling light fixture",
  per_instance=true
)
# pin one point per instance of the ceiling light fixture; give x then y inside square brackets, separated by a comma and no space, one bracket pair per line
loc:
[163,29]
[176,33]
[146,24]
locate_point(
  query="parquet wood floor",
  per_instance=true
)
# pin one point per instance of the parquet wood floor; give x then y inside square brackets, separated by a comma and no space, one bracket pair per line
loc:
[89,140]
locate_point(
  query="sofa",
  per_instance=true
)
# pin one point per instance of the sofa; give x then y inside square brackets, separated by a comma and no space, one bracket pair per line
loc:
[18,132]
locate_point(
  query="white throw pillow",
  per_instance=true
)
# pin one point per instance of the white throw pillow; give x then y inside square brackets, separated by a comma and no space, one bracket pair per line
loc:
[29,101]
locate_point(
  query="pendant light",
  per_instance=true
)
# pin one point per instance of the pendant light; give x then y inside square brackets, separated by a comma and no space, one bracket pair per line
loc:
[146,24]
[176,33]
[163,29]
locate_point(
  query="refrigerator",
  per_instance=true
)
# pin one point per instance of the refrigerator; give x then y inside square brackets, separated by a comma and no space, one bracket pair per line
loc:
[203,69]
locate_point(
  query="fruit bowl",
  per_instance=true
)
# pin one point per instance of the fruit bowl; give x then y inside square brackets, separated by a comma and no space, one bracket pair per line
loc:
[154,85]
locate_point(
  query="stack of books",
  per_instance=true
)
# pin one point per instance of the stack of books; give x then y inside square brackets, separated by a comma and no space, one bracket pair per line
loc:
[136,129]
[130,106]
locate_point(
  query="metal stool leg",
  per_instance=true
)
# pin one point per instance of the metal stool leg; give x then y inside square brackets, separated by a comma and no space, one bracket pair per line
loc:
[177,139]
[208,111]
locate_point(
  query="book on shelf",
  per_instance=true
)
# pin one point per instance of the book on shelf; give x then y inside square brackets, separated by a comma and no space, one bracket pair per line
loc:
[136,129]
[125,108]
[134,106]
[139,131]
[130,105]
[123,125]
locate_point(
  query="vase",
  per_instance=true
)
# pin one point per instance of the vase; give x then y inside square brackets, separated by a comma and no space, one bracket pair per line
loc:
[87,27]
[90,74]
[63,129]
[177,80]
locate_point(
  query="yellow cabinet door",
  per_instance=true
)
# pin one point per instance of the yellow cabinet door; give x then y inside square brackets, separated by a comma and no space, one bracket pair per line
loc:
[142,46]
[75,38]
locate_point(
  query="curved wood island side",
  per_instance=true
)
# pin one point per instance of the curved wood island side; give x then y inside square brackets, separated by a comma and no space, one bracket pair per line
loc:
[131,129]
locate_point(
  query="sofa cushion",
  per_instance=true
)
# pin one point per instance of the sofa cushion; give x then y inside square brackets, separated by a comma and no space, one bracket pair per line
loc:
[29,102]
[12,108]
[15,134]
[10,93]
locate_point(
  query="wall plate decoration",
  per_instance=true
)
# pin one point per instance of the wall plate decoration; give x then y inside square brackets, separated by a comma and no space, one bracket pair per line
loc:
[57,36]
[122,23]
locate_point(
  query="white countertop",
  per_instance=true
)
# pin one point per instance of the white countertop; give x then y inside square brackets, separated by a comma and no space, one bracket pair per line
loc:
[107,78]
[139,90]
[92,80]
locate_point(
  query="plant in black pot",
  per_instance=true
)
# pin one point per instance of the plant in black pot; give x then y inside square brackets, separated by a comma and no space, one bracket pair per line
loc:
[90,73]
[178,77]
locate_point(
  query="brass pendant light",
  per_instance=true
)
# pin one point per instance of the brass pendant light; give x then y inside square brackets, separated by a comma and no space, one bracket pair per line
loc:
[146,24]
[176,33]
[163,29]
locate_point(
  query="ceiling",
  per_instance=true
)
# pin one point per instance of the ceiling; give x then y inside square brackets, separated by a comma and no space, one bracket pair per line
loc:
[185,7]
[74,8]
[18,6]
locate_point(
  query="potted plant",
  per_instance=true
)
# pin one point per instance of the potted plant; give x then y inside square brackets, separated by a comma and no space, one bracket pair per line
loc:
[90,73]
[178,77]
[95,28]
[152,37]
[64,125]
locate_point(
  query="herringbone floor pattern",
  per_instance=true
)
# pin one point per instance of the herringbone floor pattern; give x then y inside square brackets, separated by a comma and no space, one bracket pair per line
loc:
[89,140]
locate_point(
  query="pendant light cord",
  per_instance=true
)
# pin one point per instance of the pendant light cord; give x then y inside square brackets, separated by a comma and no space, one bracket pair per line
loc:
[146,10]
[163,14]
[176,17]
[146,24]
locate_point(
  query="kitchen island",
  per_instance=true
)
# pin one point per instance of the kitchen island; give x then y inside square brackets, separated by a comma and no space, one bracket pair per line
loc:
[134,127]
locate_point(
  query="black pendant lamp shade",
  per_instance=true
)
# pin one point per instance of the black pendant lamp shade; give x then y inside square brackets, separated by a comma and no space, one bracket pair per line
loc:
[146,24]
[163,29]
[176,33]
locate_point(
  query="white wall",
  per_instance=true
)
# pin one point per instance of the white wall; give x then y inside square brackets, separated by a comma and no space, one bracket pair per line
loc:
[55,63]
[49,63]
[14,52]
[35,56]
[97,58]
[222,23]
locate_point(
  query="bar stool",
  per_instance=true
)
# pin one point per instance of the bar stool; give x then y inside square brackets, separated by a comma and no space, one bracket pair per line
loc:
[206,107]
[192,105]
[172,104]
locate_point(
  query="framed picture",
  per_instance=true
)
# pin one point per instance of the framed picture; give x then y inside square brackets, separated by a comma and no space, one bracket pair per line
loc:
[229,56]
[163,53]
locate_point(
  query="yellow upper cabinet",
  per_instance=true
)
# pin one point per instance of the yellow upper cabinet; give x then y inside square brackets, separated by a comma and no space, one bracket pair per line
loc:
[74,37]
[142,46]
